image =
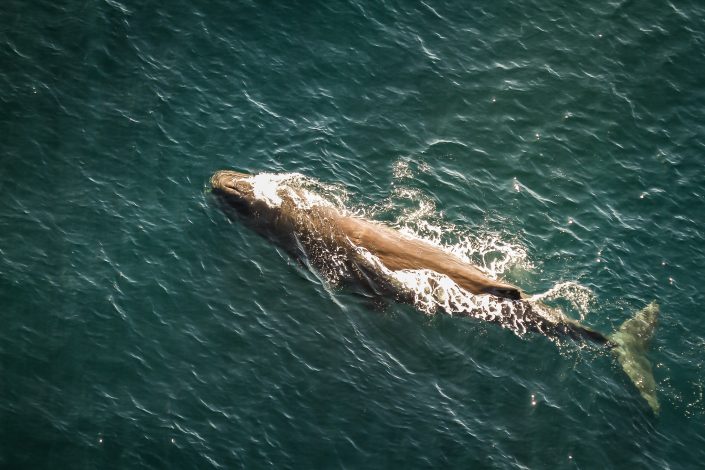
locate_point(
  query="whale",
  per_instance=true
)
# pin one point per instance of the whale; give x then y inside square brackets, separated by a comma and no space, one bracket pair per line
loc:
[346,248]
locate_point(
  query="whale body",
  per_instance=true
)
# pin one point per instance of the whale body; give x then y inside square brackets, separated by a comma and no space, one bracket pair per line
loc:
[345,247]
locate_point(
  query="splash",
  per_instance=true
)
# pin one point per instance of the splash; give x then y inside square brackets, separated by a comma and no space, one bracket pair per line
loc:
[304,191]
[580,297]
[266,186]
[401,170]
[432,292]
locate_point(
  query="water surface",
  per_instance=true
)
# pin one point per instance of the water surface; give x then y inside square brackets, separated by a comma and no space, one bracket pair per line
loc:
[143,328]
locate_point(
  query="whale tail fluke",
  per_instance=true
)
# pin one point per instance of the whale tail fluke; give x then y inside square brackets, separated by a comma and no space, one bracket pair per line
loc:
[631,343]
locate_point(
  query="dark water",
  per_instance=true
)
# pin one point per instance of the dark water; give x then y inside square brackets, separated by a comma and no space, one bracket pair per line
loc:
[142,328]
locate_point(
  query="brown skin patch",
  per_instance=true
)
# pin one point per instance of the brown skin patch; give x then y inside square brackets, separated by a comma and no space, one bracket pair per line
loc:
[398,252]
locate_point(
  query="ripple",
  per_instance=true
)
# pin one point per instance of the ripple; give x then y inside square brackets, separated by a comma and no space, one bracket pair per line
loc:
[557,146]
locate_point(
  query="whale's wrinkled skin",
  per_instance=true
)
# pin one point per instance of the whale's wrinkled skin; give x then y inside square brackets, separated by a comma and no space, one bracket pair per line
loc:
[344,247]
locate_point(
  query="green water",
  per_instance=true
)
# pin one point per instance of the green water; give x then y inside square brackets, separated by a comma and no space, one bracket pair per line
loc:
[143,328]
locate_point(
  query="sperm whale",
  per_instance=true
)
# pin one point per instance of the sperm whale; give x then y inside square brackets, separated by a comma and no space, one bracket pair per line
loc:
[345,247]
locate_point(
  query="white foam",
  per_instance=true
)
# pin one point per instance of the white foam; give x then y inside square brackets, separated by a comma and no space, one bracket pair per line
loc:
[401,170]
[432,292]
[580,297]
[266,186]
[305,192]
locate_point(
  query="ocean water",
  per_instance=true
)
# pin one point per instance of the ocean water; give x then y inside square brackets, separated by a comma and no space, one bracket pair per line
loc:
[560,146]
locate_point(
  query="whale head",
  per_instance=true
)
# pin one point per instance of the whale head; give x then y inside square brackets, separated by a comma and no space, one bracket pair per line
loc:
[234,187]
[232,183]
[236,190]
